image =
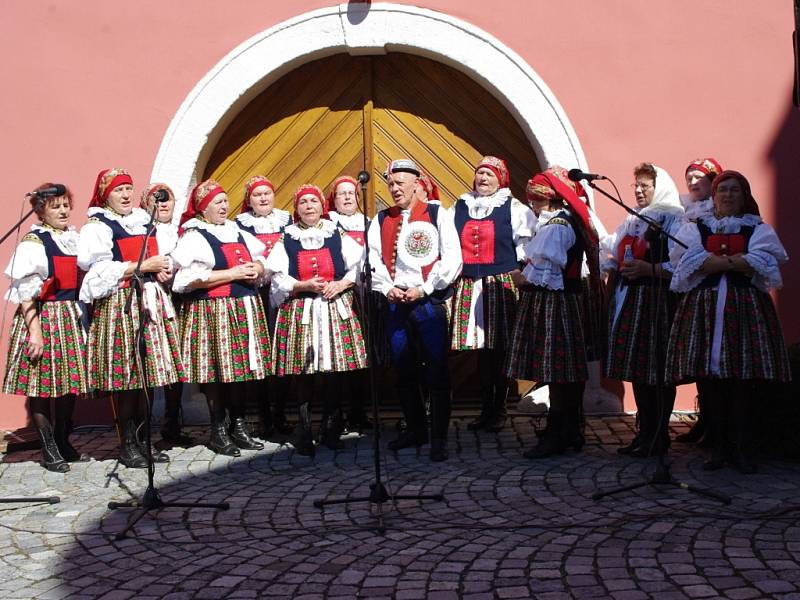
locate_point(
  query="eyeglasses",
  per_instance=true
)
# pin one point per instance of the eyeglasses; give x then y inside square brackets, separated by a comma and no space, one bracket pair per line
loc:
[345,194]
[643,186]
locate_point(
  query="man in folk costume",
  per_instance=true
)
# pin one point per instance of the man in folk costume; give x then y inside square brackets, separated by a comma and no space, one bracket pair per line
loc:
[416,254]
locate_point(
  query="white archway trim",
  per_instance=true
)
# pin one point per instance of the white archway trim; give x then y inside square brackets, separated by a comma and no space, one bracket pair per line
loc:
[360,29]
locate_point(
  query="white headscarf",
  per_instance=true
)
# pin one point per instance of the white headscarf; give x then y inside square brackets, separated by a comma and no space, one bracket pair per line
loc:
[666,198]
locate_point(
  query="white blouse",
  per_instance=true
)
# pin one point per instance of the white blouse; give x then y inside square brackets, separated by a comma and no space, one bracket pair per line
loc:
[28,267]
[310,238]
[195,257]
[765,253]
[547,252]
[354,222]
[443,273]
[523,219]
[669,218]
[695,210]
[95,251]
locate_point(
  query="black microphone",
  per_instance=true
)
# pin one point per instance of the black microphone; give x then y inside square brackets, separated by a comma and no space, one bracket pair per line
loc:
[161,195]
[577,175]
[363,177]
[57,189]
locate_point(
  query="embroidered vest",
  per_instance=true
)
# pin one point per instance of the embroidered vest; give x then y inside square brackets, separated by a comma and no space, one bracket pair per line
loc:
[268,239]
[648,249]
[325,262]
[128,246]
[726,244]
[63,279]
[226,255]
[487,244]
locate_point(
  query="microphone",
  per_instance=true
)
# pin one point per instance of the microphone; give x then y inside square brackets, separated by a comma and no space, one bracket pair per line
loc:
[363,177]
[161,195]
[57,189]
[577,175]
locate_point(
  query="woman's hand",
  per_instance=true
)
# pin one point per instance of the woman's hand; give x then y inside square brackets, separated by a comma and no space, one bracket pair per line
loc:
[334,288]
[636,269]
[35,344]
[315,285]
[244,272]
[155,264]
[518,278]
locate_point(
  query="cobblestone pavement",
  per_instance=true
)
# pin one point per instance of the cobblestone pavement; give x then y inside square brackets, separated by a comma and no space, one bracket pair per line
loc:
[507,528]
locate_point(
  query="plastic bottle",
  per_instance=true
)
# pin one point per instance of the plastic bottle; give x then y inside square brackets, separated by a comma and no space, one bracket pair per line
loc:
[628,256]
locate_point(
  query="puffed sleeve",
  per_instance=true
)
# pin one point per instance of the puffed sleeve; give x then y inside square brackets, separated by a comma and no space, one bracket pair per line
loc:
[523,225]
[381,280]
[353,254]
[547,254]
[449,265]
[686,262]
[95,256]
[765,254]
[282,283]
[27,270]
[194,259]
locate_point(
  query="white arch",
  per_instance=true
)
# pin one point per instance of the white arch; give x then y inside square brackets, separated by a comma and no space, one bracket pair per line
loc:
[360,29]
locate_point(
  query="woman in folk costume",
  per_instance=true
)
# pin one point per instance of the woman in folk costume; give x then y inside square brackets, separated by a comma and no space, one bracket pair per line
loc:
[726,331]
[637,341]
[700,175]
[548,343]
[259,217]
[224,334]
[493,228]
[344,198]
[109,248]
[314,268]
[161,197]
[47,347]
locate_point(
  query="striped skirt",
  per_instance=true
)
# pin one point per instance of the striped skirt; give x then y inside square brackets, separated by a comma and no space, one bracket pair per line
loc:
[313,335]
[595,319]
[113,355]
[636,346]
[547,343]
[62,368]
[225,340]
[493,312]
[751,347]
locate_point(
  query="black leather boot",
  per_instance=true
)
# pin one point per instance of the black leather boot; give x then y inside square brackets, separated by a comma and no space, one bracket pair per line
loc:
[61,432]
[302,439]
[51,456]
[157,456]
[551,442]
[241,437]
[130,454]
[572,432]
[487,410]
[498,418]
[416,432]
[440,423]
[219,440]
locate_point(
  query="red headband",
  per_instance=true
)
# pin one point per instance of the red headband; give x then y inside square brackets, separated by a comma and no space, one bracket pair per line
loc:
[569,196]
[339,180]
[106,181]
[707,166]
[498,167]
[252,184]
[201,196]
[430,186]
[304,190]
[750,205]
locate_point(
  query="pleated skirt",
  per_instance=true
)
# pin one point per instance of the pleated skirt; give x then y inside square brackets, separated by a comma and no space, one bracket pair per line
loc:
[314,336]
[225,340]
[499,308]
[548,341]
[112,349]
[61,370]
[752,344]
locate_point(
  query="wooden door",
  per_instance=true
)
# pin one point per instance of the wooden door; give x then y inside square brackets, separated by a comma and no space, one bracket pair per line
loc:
[342,114]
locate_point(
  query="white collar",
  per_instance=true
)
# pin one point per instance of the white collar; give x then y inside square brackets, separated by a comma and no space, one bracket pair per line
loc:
[277,218]
[137,216]
[322,231]
[495,200]
[354,222]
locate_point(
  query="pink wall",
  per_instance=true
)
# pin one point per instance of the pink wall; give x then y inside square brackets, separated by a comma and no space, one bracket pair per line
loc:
[93,84]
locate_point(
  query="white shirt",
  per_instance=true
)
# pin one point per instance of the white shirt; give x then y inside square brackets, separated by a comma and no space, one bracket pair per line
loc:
[442,274]
[547,252]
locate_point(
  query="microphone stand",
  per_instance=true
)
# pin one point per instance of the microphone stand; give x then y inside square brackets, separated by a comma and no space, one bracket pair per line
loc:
[151,500]
[48,499]
[661,475]
[378,495]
